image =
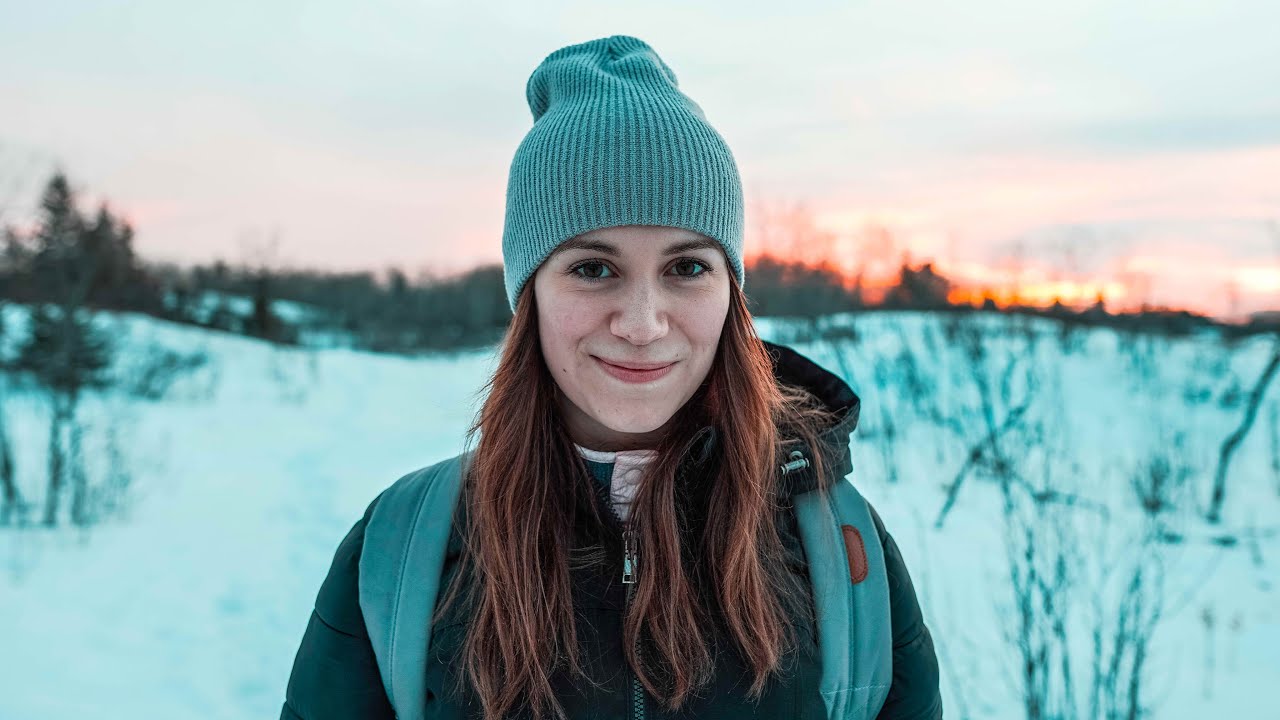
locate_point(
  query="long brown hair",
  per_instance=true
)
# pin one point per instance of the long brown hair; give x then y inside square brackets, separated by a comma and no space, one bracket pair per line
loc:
[524,492]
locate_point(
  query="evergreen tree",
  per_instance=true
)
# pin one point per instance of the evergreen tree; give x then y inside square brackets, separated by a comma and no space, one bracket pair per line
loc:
[919,288]
[65,353]
[56,265]
[70,253]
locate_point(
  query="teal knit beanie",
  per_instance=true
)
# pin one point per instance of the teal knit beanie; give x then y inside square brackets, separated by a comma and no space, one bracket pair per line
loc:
[614,142]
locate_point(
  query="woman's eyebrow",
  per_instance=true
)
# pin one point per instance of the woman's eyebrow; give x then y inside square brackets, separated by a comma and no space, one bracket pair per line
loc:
[592,245]
[686,246]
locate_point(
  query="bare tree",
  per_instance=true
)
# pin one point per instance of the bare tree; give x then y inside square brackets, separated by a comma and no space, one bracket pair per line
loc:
[1000,414]
[789,230]
[1229,446]
[13,508]
[1074,572]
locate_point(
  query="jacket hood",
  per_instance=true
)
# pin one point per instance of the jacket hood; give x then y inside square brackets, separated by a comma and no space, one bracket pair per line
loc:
[792,368]
[839,399]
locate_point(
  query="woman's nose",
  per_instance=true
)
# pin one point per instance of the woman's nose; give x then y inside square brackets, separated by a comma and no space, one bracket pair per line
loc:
[641,317]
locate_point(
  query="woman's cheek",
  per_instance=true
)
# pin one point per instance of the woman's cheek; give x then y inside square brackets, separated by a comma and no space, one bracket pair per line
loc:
[576,320]
[706,320]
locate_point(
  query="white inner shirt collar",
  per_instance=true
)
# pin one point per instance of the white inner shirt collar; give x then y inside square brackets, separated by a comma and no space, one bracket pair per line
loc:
[628,467]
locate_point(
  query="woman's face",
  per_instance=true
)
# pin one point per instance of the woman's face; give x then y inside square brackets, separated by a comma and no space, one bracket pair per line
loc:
[630,318]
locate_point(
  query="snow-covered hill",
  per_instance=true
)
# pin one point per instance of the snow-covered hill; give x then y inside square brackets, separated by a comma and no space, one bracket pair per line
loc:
[191,603]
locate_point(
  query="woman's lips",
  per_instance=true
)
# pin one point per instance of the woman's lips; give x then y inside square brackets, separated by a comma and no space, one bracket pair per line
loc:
[635,373]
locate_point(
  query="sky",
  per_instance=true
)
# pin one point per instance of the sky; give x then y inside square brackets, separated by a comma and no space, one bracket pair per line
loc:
[1063,148]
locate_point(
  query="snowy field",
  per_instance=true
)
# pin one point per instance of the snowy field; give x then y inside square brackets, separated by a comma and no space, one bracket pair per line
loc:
[191,601]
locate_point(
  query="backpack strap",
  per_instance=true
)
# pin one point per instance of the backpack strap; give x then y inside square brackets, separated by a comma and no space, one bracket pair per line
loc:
[851,600]
[405,542]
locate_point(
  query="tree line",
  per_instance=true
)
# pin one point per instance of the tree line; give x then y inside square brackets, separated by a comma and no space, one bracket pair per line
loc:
[87,259]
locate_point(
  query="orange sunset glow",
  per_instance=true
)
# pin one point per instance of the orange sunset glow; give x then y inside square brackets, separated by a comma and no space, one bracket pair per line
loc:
[1214,288]
[1070,294]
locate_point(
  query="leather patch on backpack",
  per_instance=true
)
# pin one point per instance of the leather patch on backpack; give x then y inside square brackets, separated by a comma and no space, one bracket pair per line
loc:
[857,553]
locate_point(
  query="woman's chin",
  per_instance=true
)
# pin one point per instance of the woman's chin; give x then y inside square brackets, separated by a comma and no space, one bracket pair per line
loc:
[635,428]
[634,424]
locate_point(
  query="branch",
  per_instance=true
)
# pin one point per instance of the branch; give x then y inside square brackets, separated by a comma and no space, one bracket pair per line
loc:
[1233,441]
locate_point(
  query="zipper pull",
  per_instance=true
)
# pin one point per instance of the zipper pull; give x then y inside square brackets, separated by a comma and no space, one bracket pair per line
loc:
[628,556]
[798,461]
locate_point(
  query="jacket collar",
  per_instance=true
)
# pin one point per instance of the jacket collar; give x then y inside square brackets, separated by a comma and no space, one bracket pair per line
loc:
[837,397]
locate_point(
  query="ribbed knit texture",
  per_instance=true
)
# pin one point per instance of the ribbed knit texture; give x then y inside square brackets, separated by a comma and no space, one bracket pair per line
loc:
[614,142]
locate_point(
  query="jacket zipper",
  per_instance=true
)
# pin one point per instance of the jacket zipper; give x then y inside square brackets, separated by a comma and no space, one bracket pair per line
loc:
[629,558]
[630,562]
[628,555]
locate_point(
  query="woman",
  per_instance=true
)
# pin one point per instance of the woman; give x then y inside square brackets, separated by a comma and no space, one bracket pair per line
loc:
[631,535]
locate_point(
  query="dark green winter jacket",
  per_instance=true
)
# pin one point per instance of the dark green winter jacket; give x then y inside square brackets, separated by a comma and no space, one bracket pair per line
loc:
[335,674]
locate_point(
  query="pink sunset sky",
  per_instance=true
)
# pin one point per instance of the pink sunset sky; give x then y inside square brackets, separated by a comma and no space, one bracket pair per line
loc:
[1065,148]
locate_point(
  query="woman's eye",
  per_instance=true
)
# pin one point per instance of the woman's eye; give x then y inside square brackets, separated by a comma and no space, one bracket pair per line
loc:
[592,270]
[690,268]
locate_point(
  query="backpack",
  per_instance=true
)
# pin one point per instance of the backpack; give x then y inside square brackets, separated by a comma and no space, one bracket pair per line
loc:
[404,551]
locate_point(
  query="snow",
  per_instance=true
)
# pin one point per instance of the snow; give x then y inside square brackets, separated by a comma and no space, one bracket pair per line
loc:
[191,603]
